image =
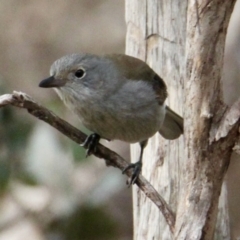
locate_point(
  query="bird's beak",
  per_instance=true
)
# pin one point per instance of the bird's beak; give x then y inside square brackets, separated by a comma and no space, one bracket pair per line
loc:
[51,82]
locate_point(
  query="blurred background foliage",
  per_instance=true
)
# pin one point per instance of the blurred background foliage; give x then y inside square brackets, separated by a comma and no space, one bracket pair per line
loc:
[48,190]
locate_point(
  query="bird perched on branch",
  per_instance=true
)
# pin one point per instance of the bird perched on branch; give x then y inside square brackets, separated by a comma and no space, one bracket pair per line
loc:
[116,97]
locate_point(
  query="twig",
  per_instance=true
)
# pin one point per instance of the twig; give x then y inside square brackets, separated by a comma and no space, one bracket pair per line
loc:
[22,100]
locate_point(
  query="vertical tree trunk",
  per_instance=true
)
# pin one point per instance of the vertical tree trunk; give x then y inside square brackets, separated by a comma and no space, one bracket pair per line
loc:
[183,41]
[155,35]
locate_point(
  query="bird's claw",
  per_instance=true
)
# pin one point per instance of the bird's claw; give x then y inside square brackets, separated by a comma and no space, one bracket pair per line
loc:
[90,143]
[137,167]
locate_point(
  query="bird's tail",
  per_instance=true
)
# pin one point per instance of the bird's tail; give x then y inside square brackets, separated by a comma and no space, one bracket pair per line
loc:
[172,126]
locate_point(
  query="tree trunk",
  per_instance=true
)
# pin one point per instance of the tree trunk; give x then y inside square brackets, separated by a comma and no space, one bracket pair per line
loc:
[183,41]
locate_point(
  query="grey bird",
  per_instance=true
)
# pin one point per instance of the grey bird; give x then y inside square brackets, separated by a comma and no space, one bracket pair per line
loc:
[116,97]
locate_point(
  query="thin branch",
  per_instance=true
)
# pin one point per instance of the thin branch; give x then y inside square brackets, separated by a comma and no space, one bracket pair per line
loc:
[22,100]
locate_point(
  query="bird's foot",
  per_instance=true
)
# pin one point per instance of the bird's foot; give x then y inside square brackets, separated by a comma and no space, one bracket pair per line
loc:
[91,143]
[137,167]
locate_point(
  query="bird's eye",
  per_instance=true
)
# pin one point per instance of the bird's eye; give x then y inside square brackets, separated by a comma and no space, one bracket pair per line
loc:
[80,73]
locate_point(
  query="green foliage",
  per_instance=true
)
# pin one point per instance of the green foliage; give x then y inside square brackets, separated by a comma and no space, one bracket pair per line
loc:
[90,223]
[86,223]
[14,129]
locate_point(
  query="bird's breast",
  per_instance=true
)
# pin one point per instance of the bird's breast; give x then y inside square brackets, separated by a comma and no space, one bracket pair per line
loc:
[131,114]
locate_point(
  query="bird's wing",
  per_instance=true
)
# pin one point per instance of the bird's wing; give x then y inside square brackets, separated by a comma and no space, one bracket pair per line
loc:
[136,69]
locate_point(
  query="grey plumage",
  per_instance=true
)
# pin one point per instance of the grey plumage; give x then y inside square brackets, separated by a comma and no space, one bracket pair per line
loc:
[115,96]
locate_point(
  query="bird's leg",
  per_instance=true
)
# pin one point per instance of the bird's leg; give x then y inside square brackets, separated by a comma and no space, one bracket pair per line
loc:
[91,143]
[137,167]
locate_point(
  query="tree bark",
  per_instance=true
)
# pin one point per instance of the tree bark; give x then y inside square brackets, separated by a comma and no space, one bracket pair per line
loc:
[161,43]
[183,41]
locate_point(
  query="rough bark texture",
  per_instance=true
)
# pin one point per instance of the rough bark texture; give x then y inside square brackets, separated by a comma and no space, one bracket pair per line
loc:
[184,41]
[160,41]
[206,162]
